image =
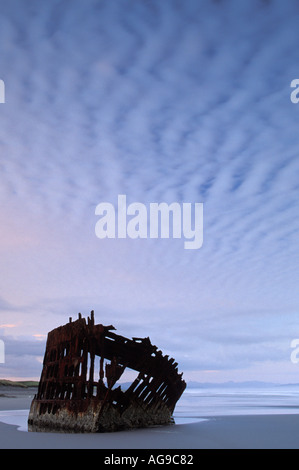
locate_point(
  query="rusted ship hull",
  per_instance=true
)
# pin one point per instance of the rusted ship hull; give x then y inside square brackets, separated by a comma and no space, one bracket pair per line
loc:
[70,399]
[97,418]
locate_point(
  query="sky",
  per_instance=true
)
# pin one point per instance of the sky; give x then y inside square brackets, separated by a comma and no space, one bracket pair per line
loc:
[161,101]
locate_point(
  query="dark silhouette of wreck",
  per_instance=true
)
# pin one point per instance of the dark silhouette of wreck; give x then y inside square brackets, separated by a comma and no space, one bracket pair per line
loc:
[70,399]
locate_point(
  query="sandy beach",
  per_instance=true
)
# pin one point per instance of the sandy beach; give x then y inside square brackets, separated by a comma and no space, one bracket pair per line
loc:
[268,431]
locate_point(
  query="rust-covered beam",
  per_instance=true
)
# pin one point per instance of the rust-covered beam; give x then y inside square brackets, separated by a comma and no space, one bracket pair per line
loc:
[70,397]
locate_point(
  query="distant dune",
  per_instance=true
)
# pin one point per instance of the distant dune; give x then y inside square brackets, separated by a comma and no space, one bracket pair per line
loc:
[22,384]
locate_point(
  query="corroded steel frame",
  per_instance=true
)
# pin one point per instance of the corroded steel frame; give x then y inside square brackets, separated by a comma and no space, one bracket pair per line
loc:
[70,398]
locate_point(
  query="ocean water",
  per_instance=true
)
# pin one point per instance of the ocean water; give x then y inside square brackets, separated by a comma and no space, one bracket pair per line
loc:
[207,402]
[197,404]
[16,418]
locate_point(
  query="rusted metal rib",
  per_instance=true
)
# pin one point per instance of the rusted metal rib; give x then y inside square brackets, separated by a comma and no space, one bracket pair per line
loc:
[70,398]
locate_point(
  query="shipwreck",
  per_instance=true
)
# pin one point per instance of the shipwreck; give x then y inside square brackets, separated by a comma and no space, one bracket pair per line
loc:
[71,399]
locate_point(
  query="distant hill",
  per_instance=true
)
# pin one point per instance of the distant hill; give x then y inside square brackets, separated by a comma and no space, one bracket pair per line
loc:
[232,384]
[21,384]
[190,385]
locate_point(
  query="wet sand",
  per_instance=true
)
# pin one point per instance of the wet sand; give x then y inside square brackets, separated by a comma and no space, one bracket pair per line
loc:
[222,432]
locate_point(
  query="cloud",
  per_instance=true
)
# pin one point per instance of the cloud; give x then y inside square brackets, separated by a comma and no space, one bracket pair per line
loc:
[161,101]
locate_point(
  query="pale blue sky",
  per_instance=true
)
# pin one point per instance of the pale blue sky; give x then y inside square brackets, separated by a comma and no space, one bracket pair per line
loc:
[185,101]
